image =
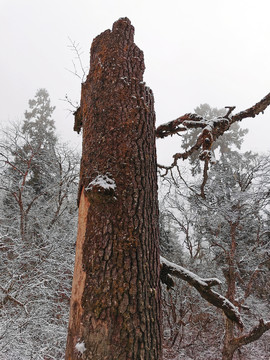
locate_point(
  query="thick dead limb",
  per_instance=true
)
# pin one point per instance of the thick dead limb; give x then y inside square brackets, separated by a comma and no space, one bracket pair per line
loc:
[258,108]
[212,129]
[189,120]
[203,286]
[177,125]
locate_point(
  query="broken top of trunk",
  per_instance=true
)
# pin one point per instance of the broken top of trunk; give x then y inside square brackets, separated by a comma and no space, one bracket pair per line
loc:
[111,53]
[115,304]
[113,97]
[114,60]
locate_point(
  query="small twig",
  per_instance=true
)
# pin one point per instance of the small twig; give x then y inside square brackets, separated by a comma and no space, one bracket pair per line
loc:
[70,102]
[75,48]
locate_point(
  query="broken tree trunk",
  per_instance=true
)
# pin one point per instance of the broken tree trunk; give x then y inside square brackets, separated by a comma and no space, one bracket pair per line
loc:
[115,304]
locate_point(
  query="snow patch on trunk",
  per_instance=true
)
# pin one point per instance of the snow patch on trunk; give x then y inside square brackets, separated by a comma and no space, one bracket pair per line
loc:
[80,347]
[103,181]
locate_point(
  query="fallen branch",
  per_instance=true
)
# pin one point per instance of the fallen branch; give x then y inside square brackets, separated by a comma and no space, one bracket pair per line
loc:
[203,286]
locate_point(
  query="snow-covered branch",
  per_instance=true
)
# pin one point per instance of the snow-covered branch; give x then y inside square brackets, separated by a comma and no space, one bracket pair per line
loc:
[211,129]
[176,126]
[258,108]
[203,286]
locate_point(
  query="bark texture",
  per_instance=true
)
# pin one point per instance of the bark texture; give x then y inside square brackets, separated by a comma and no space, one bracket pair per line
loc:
[211,130]
[115,305]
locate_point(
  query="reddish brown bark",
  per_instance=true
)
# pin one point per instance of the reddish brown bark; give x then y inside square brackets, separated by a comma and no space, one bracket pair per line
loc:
[115,304]
[211,130]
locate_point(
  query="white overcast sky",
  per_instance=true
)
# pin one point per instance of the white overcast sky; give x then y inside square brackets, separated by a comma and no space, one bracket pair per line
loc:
[196,51]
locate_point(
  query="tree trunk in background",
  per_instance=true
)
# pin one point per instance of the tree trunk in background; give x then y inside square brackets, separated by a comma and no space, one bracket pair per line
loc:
[229,345]
[115,305]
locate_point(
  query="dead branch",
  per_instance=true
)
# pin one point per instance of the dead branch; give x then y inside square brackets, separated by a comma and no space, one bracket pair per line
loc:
[203,286]
[252,279]
[174,127]
[254,333]
[212,129]
[258,108]
[75,47]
